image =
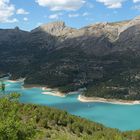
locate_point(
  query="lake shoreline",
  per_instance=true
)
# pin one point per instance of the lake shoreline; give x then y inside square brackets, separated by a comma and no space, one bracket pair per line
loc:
[52,92]
[109,101]
[33,86]
[57,93]
[81,98]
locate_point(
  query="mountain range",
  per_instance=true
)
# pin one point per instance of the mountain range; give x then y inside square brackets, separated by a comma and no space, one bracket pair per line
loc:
[97,56]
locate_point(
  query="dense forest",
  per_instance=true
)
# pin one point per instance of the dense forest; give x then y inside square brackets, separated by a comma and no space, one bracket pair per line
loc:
[121,80]
[33,122]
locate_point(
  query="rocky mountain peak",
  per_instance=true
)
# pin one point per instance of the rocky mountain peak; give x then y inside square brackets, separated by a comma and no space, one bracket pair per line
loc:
[52,28]
[133,22]
[58,25]
[17,28]
[137,18]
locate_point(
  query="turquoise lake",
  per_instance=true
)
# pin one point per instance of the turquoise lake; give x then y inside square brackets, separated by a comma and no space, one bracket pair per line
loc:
[123,117]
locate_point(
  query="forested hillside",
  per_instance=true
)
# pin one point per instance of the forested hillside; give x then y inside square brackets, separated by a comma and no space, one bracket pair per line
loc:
[26,122]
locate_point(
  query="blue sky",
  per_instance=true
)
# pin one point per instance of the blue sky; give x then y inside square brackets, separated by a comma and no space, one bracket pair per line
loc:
[28,14]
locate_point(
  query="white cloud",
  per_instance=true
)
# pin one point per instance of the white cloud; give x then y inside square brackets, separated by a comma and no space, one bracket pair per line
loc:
[55,16]
[12,20]
[73,15]
[112,3]
[85,14]
[77,15]
[115,3]
[22,12]
[136,7]
[135,1]
[25,19]
[6,12]
[57,5]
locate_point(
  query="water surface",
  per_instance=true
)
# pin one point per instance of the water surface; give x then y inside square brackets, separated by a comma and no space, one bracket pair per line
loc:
[123,117]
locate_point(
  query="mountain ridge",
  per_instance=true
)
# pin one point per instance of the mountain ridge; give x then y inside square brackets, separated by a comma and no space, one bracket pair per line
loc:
[75,57]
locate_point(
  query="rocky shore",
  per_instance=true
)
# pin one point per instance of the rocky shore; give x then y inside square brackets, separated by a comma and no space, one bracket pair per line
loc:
[103,100]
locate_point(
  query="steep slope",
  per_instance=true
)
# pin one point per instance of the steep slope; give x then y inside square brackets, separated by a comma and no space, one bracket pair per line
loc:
[60,56]
[14,52]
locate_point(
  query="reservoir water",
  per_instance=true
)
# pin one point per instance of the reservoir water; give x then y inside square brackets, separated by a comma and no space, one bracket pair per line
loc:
[123,117]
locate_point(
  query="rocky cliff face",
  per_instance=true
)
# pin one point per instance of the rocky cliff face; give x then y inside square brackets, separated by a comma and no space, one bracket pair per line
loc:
[58,55]
[56,28]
